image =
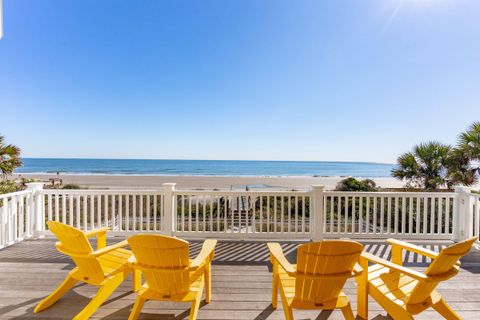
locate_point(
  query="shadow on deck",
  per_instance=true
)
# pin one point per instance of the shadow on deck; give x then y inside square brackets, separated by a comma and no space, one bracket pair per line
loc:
[241,285]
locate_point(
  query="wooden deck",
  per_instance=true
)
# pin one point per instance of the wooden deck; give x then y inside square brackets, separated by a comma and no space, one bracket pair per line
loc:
[241,285]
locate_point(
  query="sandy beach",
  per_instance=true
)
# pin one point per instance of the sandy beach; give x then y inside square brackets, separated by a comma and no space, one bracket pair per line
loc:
[198,182]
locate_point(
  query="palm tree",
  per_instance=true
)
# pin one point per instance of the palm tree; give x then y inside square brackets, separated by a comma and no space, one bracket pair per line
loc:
[469,143]
[9,158]
[460,170]
[425,166]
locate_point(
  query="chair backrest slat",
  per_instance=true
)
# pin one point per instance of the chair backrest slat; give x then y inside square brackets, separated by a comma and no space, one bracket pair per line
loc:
[323,268]
[443,264]
[165,262]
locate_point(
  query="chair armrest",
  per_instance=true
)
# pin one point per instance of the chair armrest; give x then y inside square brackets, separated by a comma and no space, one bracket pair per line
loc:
[417,249]
[105,250]
[205,255]
[413,248]
[101,234]
[357,270]
[93,233]
[276,253]
[406,271]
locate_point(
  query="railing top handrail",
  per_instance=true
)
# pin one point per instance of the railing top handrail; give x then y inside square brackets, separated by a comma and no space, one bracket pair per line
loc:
[390,193]
[13,194]
[475,195]
[100,191]
[237,192]
[240,192]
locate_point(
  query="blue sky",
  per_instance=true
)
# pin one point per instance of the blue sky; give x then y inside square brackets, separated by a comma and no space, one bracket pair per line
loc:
[280,80]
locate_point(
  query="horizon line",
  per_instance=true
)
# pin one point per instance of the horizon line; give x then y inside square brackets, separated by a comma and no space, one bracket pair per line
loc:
[177,159]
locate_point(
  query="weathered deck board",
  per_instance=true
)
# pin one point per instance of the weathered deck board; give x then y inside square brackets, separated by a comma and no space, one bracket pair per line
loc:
[241,286]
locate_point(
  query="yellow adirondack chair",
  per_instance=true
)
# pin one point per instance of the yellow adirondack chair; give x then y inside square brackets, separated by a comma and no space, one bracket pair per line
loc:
[316,281]
[404,292]
[169,273]
[105,267]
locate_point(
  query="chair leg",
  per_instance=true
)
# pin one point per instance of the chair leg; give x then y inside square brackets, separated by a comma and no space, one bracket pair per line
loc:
[196,304]
[362,302]
[102,294]
[404,315]
[208,283]
[362,291]
[136,279]
[443,308]
[63,288]
[347,312]
[275,293]
[288,312]
[286,308]
[137,308]
[275,287]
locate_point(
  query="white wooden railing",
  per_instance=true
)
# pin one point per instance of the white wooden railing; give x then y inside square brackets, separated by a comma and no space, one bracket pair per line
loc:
[121,210]
[244,214]
[389,214]
[258,214]
[16,217]
[473,223]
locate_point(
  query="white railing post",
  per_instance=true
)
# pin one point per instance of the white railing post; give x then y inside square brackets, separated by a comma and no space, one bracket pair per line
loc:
[169,214]
[4,223]
[36,208]
[317,212]
[463,215]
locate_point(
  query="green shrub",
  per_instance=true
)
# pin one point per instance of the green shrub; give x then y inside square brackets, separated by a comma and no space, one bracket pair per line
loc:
[352,184]
[8,186]
[71,186]
[28,180]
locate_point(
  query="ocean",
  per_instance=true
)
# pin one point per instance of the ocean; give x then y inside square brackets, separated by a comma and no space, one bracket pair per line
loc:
[204,167]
